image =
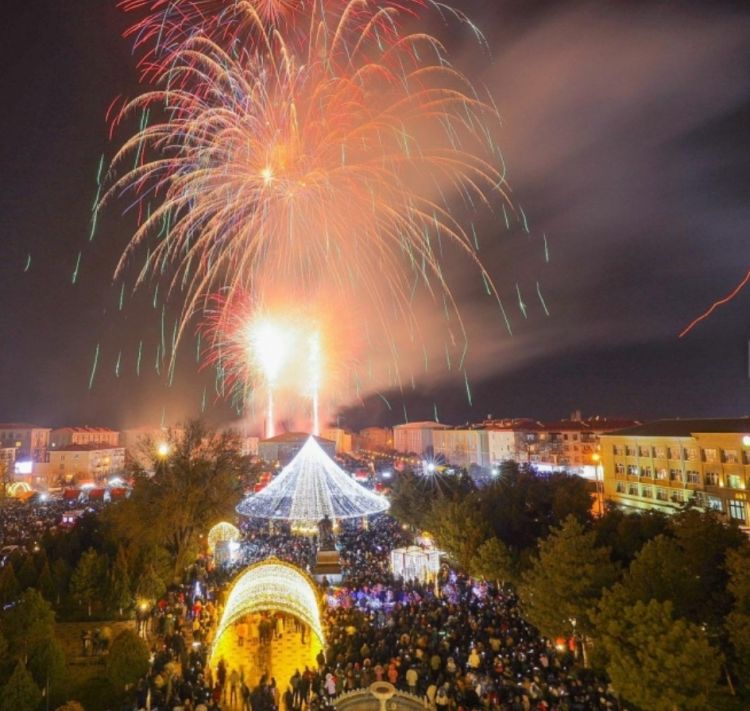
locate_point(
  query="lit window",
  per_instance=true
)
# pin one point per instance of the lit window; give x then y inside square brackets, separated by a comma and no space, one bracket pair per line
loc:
[737,510]
[647,492]
[711,455]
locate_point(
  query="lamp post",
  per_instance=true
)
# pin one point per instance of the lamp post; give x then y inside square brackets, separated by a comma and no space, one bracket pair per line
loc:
[595,458]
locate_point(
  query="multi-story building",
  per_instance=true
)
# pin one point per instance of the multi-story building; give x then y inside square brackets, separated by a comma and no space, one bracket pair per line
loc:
[283,448]
[342,439]
[376,439]
[65,436]
[462,446]
[30,441]
[80,463]
[415,437]
[664,464]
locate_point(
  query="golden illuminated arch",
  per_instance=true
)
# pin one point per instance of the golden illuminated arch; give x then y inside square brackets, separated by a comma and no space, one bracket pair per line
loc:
[18,489]
[222,532]
[272,585]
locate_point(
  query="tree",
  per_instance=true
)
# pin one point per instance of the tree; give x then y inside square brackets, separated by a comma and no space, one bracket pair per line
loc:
[560,590]
[20,693]
[70,706]
[459,529]
[61,573]
[27,574]
[9,587]
[492,561]
[127,661]
[658,662]
[738,620]
[87,581]
[120,593]
[47,666]
[661,572]
[150,585]
[46,584]
[28,624]
[195,486]
[522,506]
[705,541]
[627,532]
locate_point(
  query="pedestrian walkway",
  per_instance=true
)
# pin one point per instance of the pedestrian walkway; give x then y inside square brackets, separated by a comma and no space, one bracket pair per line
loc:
[278,657]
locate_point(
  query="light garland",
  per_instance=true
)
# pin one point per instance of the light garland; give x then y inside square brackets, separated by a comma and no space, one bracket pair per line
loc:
[415,563]
[272,585]
[222,532]
[310,487]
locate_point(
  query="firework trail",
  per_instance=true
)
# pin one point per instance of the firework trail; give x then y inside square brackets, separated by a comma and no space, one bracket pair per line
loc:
[721,302]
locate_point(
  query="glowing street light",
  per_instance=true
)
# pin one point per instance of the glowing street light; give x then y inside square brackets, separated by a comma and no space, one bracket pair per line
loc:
[163,449]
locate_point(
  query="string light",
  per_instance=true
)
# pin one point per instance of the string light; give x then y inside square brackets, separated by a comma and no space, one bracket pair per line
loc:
[222,532]
[311,487]
[272,585]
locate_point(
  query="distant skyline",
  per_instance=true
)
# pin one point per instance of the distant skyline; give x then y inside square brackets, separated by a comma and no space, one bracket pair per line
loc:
[625,138]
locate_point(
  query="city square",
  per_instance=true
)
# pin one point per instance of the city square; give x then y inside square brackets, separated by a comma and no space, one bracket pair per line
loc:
[375,355]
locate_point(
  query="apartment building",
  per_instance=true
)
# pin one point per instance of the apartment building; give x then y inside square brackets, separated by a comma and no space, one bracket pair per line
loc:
[664,464]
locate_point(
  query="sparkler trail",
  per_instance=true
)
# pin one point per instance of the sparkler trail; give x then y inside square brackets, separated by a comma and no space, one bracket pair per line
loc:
[28,263]
[721,302]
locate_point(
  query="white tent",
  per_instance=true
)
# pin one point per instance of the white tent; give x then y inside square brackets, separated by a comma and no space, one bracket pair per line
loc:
[415,563]
[310,487]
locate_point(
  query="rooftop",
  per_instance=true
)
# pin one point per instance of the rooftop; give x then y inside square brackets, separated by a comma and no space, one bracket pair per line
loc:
[86,448]
[687,427]
[86,428]
[20,426]
[427,424]
[295,437]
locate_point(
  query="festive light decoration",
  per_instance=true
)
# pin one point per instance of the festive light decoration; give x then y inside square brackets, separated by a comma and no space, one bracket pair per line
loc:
[415,563]
[310,487]
[272,585]
[18,489]
[222,533]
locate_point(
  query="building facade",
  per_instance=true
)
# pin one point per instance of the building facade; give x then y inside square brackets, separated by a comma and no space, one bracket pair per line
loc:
[31,442]
[284,447]
[65,436]
[664,464]
[341,438]
[416,437]
[85,463]
[462,446]
[376,439]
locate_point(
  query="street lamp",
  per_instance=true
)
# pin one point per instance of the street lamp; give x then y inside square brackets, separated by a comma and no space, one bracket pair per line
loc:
[596,457]
[163,450]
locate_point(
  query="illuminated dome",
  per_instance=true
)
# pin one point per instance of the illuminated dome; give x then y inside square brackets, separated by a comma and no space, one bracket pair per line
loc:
[222,532]
[310,487]
[272,585]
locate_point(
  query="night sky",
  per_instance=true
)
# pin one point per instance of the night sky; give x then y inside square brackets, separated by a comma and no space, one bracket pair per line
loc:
[625,134]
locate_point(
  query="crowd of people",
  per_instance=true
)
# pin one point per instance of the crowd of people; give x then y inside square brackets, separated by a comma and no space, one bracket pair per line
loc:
[461,648]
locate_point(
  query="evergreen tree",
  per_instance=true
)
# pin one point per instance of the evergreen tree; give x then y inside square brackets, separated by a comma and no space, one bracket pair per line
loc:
[493,562]
[127,660]
[738,620]
[150,585]
[47,666]
[28,624]
[9,587]
[658,662]
[566,579]
[61,573]
[46,584]
[120,594]
[459,529]
[87,581]
[27,574]
[20,693]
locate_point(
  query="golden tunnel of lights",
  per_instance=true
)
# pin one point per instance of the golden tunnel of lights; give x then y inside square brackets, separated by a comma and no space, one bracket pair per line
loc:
[271,585]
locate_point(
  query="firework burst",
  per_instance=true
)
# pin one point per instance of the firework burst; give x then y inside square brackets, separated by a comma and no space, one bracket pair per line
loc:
[333,165]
